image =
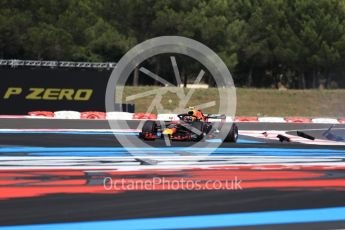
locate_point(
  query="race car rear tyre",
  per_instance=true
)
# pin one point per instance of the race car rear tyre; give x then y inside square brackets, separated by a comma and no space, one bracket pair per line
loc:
[232,135]
[199,126]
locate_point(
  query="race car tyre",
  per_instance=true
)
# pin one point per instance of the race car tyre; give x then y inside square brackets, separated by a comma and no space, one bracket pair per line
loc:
[232,135]
[199,126]
[149,127]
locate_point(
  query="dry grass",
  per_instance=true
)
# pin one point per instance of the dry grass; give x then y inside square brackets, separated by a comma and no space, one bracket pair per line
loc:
[258,102]
[266,102]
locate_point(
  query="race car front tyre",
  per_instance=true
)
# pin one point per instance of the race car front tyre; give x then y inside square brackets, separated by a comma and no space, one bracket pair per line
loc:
[232,135]
[149,130]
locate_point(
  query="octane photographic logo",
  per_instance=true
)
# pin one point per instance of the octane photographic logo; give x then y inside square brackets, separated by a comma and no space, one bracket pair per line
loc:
[170,45]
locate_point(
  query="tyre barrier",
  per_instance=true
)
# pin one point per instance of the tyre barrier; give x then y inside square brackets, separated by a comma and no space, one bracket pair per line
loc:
[67,114]
[167,117]
[145,116]
[119,116]
[215,120]
[246,119]
[41,114]
[341,120]
[93,115]
[325,120]
[229,119]
[272,119]
[298,120]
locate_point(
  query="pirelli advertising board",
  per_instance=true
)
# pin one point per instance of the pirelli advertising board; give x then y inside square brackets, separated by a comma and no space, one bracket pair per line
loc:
[23,90]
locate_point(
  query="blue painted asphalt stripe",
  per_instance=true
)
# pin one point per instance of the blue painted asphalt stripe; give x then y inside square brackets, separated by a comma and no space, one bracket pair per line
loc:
[204,221]
[120,151]
[71,132]
[95,154]
[225,150]
[81,154]
[239,141]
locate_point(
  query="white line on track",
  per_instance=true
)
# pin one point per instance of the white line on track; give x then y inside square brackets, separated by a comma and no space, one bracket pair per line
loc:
[272,135]
[126,163]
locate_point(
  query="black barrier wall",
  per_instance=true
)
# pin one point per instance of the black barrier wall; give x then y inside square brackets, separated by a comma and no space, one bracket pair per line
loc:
[23,90]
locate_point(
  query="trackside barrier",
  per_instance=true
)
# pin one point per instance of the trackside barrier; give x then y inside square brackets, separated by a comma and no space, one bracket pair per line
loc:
[145,116]
[325,120]
[246,119]
[41,114]
[297,120]
[167,117]
[17,116]
[93,115]
[341,120]
[214,120]
[272,119]
[70,89]
[119,116]
[67,115]
[229,119]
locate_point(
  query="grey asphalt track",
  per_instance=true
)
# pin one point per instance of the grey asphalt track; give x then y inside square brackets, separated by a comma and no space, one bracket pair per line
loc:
[57,208]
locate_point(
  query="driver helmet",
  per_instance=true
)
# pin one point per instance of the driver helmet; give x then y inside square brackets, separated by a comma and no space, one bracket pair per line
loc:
[196,114]
[191,110]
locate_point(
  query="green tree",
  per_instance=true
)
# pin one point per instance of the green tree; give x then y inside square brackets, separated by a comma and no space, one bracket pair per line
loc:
[13,27]
[48,42]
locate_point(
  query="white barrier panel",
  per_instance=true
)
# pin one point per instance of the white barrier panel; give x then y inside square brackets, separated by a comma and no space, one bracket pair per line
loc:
[14,116]
[119,116]
[325,120]
[67,115]
[272,119]
[214,120]
[229,119]
[167,117]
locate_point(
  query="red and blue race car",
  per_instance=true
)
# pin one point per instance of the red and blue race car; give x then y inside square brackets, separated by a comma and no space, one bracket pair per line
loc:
[191,126]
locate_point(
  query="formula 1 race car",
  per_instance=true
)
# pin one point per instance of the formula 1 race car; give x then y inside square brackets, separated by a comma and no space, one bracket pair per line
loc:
[192,126]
